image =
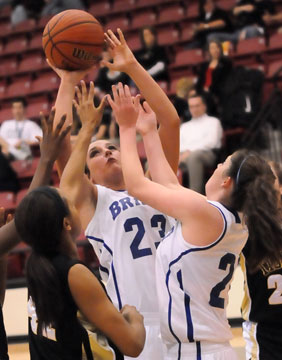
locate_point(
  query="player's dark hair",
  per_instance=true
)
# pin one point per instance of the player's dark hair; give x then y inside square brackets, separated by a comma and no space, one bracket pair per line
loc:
[255,195]
[39,221]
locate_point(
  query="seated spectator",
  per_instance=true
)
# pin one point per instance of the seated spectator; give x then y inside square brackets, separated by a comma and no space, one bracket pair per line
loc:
[184,88]
[212,19]
[199,139]
[248,20]
[53,7]
[212,73]
[18,134]
[152,56]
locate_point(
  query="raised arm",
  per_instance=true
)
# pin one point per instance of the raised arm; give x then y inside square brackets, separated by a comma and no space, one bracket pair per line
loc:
[167,116]
[63,105]
[74,182]
[51,143]
[186,205]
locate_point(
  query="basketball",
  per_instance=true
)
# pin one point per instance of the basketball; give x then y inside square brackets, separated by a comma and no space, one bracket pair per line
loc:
[73,40]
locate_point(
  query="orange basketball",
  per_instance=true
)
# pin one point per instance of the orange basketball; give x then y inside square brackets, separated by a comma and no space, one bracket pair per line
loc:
[73,40]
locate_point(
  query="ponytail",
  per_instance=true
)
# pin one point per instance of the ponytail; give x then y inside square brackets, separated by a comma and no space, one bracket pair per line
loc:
[39,221]
[255,195]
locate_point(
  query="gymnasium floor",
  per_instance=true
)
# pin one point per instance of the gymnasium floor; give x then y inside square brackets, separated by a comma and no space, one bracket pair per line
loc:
[20,351]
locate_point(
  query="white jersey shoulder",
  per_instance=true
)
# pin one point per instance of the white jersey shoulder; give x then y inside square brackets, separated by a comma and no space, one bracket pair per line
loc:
[125,234]
[193,282]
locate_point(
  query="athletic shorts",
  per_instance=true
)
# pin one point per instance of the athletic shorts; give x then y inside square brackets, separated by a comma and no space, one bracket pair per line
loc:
[200,350]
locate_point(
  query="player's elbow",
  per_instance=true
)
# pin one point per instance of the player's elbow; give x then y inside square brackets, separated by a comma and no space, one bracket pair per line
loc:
[134,349]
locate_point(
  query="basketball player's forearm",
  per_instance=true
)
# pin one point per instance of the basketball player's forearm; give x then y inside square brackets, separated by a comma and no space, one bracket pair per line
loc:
[165,111]
[159,167]
[131,166]
[42,174]
[73,175]
[63,106]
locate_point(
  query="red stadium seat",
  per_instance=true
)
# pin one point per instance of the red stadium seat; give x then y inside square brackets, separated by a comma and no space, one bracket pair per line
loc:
[15,266]
[248,50]
[133,41]
[147,3]
[25,171]
[172,13]
[20,87]
[5,114]
[24,27]
[192,11]
[8,66]
[123,6]
[5,29]
[31,63]
[42,22]
[100,8]
[37,105]
[35,42]
[147,17]
[15,45]
[117,22]
[2,90]
[187,33]
[273,52]
[20,195]
[1,48]
[274,70]
[188,57]
[7,201]
[45,83]
[168,36]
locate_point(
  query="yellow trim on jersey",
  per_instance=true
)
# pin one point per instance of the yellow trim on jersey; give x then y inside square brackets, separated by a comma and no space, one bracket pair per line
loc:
[246,303]
[253,338]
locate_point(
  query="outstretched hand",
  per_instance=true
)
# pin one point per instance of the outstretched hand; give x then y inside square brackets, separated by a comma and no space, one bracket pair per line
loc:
[88,113]
[119,51]
[50,143]
[147,120]
[125,108]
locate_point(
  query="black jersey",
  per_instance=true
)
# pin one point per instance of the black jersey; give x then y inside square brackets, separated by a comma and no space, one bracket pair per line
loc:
[69,340]
[3,339]
[262,309]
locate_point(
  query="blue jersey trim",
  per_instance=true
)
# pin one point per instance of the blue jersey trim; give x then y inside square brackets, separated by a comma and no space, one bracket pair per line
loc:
[173,262]
[104,269]
[112,267]
[198,346]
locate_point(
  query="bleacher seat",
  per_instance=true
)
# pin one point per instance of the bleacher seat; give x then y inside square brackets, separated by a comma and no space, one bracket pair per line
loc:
[274,70]
[5,29]
[226,5]
[37,105]
[8,66]
[168,35]
[100,8]
[15,45]
[248,50]
[123,6]
[186,59]
[5,114]
[172,13]
[117,22]
[20,195]
[147,17]
[42,22]
[25,170]
[186,32]
[45,83]
[25,27]
[19,87]
[31,63]
[35,42]
[274,49]
[133,41]
[192,11]
[2,89]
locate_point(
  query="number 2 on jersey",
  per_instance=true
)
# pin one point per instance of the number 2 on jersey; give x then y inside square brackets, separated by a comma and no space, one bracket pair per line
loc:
[157,221]
[215,300]
[275,282]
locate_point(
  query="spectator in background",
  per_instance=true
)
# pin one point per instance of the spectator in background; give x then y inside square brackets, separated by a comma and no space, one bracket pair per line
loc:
[212,19]
[184,88]
[18,134]
[152,56]
[199,140]
[248,20]
[213,73]
[53,7]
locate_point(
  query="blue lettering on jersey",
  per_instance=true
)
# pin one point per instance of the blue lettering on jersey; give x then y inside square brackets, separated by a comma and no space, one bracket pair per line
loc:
[123,204]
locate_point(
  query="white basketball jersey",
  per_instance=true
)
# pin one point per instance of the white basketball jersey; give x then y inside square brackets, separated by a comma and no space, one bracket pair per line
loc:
[193,283]
[125,234]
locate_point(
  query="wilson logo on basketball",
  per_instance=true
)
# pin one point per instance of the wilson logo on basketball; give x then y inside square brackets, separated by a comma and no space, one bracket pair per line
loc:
[82,54]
